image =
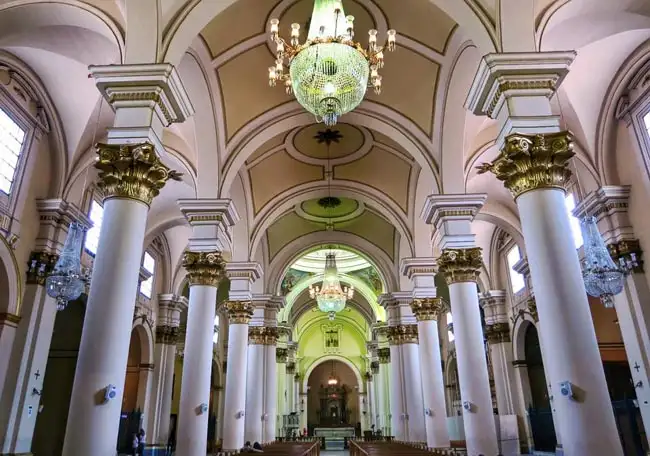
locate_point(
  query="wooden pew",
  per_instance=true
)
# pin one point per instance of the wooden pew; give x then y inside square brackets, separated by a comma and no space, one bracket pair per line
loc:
[305,447]
[359,448]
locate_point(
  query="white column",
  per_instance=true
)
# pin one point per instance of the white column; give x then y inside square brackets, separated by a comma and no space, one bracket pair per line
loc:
[586,422]
[370,397]
[205,270]
[383,391]
[427,311]
[282,393]
[221,396]
[480,431]
[236,376]
[167,365]
[304,403]
[104,348]
[270,393]
[254,388]
[414,409]
[461,268]
[398,418]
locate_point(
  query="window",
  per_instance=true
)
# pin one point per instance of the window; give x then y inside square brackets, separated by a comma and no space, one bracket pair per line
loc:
[215,336]
[646,121]
[92,236]
[11,143]
[570,204]
[516,279]
[149,265]
[450,322]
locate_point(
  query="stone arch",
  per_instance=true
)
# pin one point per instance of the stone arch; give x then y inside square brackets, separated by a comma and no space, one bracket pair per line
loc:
[11,295]
[324,359]
[289,253]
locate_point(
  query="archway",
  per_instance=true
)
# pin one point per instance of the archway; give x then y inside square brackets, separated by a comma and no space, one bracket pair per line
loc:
[333,396]
[541,417]
[132,380]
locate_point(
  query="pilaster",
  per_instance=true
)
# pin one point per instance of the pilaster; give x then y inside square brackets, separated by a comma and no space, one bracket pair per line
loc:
[25,358]
[451,217]
[146,98]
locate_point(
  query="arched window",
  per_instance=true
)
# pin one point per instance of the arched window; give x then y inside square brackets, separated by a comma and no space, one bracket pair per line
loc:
[450,332]
[570,204]
[149,264]
[516,279]
[215,336]
[12,138]
[96,216]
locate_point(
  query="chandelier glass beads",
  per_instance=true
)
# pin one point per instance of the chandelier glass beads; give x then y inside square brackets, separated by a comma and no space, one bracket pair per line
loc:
[67,282]
[329,73]
[330,297]
[603,278]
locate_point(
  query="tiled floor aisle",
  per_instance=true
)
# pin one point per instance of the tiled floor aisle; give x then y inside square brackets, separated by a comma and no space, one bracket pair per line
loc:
[335,453]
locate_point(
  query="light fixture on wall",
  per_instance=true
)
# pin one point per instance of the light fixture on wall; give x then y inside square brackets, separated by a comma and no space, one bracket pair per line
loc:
[603,278]
[329,72]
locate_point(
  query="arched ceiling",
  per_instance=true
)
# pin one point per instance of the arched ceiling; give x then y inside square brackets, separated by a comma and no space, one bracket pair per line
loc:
[238,42]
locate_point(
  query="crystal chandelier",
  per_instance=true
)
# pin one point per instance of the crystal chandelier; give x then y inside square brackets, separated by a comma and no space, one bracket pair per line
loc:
[331,298]
[67,281]
[329,72]
[603,278]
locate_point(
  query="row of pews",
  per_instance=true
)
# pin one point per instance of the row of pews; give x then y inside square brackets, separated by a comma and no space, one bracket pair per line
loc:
[360,448]
[300,448]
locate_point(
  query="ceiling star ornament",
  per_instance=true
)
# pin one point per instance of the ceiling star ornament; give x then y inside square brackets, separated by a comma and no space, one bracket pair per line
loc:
[330,72]
[331,297]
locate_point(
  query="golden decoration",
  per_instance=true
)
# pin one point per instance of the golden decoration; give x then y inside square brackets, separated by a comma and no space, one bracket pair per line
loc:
[497,333]
[532,162]
[167,335]
[204,268]
[39,266]
[403,334]
[281,355]
[291,368]
[384,355]
[262,335]
[626,249]
[374,366]
[427,309]
[239,312]
[132,171]
[532,309]
[9,319]
[460,265]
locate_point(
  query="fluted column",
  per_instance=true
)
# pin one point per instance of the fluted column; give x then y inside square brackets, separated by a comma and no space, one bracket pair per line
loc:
[239,314]
[398,415]
[427,311]
[461,268]
[282,394]
[130,177]
[370,396]
[534,168]
[204,271]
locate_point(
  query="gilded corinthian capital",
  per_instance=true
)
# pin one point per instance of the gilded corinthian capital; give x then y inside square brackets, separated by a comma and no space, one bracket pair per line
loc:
[204,268]
[403,334]
[239,312]
[132,171]
[426,309]
[262,335]
[532,162]
[460,265]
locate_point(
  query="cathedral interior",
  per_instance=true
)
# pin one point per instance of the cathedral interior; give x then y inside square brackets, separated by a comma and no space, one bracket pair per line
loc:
[365,227]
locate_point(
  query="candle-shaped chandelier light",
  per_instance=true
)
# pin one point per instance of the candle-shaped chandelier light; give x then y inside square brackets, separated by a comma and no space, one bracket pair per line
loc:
[329,72]
[331,298]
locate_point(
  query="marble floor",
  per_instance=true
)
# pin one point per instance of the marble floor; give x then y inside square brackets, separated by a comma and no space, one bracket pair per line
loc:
[335,453]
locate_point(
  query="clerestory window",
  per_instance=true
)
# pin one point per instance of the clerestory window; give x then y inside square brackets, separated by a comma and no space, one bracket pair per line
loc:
[12,138]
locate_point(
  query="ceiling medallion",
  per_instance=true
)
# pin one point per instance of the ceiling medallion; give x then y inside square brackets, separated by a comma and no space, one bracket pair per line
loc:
[329,202]
[329,72]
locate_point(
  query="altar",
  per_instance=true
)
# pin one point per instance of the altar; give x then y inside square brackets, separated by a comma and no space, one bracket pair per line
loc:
[334,437]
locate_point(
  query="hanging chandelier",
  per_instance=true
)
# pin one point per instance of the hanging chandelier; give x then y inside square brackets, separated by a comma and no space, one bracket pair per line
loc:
[331,298]
[67,280]
[329,72]
[603,278]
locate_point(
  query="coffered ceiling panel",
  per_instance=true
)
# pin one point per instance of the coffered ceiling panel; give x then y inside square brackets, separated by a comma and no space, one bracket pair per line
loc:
[245,88]
[409,86]
[272,143]
[368,225]
[381,170]
[278,173]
